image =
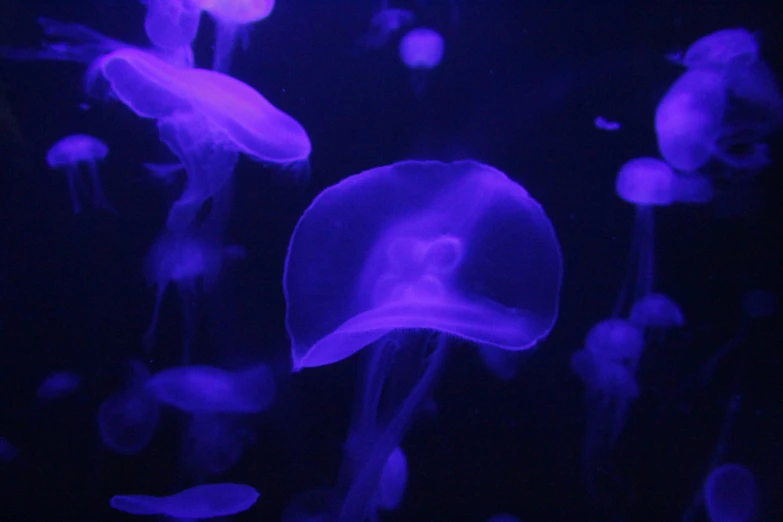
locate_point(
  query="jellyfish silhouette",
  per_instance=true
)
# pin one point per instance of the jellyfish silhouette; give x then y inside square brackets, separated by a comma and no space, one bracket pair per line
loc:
[206,119]
[69,154]
[206,501]
[722,108]
[404,258]
[192,261]
[421,49]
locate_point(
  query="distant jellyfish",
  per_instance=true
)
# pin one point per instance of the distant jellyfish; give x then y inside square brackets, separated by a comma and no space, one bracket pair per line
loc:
[206,501]
[206,119]
[722,108]
[213,443]
[193,264]
[128,419]
[656,310]
[78,156]
[384,23]
[172,24]
[232,20]
[607,367]
[57,385]
[421,50]
[731,494]
[403,258]
[207,389]
[394,479]
[602,123]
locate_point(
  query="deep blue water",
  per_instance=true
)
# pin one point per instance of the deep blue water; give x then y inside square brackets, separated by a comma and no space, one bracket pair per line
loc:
[519,87]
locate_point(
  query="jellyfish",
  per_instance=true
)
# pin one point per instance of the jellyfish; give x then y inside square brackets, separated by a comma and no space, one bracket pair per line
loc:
[384,23]
[128,419]
[69,154]
[722,108]
[394,478]
[207,389]
[58,385]
[206,501]
[421,49]
[730,494]
[192,261]
[403,258]
[206,119]
[602,123]
[656,313]
[232,20]
[213,443]
[172,24]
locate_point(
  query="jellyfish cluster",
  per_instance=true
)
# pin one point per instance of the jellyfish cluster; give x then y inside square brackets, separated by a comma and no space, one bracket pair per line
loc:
[390,336]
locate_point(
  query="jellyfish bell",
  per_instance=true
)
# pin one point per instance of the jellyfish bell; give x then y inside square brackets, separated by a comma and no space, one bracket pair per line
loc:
[73,153]
[420,50]
[731,494]
[721,49]
[656,310]
[172,24]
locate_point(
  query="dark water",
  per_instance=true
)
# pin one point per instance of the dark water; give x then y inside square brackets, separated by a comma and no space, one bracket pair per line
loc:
[518,88]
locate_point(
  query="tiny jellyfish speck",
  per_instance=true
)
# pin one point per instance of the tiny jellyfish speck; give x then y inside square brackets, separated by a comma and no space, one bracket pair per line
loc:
[78,155]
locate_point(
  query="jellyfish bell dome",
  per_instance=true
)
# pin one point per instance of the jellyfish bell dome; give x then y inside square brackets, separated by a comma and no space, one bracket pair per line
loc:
[238,11]
[721,49]
[454,247]
[421,48]
[75,148]
[646,181]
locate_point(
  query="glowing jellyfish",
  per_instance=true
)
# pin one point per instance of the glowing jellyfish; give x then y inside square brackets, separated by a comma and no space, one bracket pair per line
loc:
[394,478]
[421,50]
[656,311]
[408,255]
[731,495]
[58,385]
[206,389]
[207,501]
[206,119]
[172,24]
[193,263]
[722,108]
[607,366]
[386,22]
[128,420]
[78,156]
[214,442]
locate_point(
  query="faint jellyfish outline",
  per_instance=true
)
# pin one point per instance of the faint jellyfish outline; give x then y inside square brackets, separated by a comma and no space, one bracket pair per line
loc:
[78,155]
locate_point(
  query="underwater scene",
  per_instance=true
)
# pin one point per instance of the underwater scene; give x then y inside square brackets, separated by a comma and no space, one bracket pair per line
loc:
[391,260]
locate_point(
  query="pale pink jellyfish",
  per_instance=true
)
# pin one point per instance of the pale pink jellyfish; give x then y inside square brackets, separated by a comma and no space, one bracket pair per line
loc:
[78,156]
[232,19]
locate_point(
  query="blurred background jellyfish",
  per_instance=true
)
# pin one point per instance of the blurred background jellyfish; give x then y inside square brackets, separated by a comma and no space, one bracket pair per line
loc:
[421,49]
[404,258]
[128,419]
[172,24]
[384,24]
[57,385]
[206,501]
[192,261]
[206,119]
[213,444]
[730,494]
[78,156]
[722,108]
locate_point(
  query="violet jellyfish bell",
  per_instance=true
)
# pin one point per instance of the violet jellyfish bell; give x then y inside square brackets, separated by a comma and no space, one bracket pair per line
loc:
[405,258]
[730,494]
[206,501]
[78,156]
[206,119]
[421,49]
[172,24]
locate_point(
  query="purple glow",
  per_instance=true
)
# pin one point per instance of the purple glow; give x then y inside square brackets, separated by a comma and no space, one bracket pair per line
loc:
[172,24]
[70,154]
[656,311]
[210,500]
[730,494]
[393,481]
[421,48]
[602,123]
[58,385]
[722,49]
[388,249]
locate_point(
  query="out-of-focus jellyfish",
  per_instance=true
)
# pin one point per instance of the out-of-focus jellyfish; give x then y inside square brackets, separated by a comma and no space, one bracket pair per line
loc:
[206,389]
[656,311]
[232,18]
[647,183]
[722,108]
[394,479]
[207,501]
[607,366]
[421,49]
[58,385]
[206,119]
[503,517]
[403,257]
[214,442]
[193,263]
[172,24]
[8,451]
[384,23]
[602,123]
[128,419]
[730,494]
[78,156]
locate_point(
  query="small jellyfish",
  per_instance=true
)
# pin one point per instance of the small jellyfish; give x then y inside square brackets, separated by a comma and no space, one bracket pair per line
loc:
[421,50]
[207,501]
[192,263]
[730,494]
[206,389]
[401,258]
[602,123]
[384,23]
[128,419]
[656,312]
[172,24]
[78,156]
[58,385]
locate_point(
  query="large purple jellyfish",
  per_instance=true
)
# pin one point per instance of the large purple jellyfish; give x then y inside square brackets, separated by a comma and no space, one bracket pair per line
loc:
[206,119]
[404,257]
[69,154]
